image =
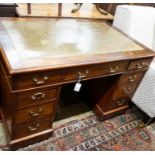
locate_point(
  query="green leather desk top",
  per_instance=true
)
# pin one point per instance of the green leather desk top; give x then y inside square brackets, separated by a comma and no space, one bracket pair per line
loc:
[39,40]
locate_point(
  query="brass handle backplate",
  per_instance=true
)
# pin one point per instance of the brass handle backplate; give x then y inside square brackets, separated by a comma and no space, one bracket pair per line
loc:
[35,114]
[38,96]
[113,69]
[127,90]
[140,65]
[132,78]
[120,102]
[83,75]
[39,82]
[31,128]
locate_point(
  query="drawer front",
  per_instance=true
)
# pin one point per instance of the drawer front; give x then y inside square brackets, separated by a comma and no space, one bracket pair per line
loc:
[139,64]
[36,80]
[127,85]
[36,97]
[26,129]
[95,70]
[34,113]
[132,77]
[119,102]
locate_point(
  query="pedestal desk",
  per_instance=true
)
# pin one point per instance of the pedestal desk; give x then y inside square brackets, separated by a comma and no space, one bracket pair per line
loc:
[38,56]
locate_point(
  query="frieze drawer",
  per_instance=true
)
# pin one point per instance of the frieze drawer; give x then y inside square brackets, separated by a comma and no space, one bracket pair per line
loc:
[139,64]
[95,70]
[27,81]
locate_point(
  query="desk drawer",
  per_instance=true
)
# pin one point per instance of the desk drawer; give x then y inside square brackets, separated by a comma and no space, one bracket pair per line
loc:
[33,80]
[36,97]
[26,129]
[127,85]
[119,102]
[131,77]
[139,64]
[33,113]
[95,70]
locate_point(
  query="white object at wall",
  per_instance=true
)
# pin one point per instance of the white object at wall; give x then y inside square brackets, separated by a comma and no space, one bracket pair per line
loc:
[154,39]
[136,21]
[139,23]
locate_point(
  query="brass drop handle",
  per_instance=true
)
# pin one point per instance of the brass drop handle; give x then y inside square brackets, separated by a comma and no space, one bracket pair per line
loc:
[113,69]
[38,96]
[35,114]
[33,128]
[132,78]
[120,102]
[83,75]
[140,65]
[37,82]
[127,90]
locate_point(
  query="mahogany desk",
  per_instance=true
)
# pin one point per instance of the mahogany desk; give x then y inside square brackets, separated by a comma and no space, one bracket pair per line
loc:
[38,56]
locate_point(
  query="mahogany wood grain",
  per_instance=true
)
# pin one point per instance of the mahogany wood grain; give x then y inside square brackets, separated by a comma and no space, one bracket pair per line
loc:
[119,94]
[36,79]
[115,104]
[34,113]
[31,139]
[127,84]
[26,129]
[35,98]
[111,113]
[95,70]
[139,64]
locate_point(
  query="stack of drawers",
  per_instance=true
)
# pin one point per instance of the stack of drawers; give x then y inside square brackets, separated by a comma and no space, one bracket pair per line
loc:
[34,111]
[122,92]
[35,103]
[125,88]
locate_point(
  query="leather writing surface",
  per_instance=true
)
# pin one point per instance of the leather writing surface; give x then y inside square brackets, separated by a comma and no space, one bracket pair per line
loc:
[32,43]
[59,38]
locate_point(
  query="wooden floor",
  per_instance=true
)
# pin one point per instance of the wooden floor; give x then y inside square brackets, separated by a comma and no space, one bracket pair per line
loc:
[51,9]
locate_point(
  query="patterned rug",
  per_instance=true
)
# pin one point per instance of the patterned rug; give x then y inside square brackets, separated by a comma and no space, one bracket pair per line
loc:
[119,133]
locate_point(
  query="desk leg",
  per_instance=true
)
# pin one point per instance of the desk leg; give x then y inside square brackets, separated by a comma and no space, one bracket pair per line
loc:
[59,9]
[29,8]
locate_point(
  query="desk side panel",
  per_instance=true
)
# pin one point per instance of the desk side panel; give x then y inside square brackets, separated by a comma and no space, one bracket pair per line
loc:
[7,99]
